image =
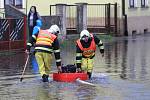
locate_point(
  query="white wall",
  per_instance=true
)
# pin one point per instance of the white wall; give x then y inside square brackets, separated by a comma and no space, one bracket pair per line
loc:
[43,6]
[138,10]
[138,17]
[1,8]
[7,1]
[24,3]
[1,3]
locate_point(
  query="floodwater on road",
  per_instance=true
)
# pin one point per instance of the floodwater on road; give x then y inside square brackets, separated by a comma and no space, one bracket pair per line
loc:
[122,74]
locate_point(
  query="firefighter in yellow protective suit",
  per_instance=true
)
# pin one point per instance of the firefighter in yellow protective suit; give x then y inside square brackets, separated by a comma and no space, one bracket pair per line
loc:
[46,43]
[85,51]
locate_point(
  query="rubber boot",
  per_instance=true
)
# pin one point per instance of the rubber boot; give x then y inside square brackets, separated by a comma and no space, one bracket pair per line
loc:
[45,78]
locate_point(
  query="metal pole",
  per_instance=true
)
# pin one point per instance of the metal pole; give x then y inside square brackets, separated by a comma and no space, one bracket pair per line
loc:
[115,21]
[26,6]
[108,18]
[50,10]
[21,78]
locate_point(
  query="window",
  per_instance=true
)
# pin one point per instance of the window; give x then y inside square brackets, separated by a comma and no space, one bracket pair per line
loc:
[144,3]
[132,3]
[2,4]
[9,2]
[16,3]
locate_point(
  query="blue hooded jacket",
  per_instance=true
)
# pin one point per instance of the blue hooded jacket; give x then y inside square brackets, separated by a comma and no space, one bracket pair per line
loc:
[37,27]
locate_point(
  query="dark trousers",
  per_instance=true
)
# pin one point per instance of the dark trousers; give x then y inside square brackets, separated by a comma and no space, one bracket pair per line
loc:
[30,31]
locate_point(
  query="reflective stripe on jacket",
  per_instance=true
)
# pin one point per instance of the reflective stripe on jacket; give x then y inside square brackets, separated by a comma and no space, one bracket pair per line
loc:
[45,38]
[44,41]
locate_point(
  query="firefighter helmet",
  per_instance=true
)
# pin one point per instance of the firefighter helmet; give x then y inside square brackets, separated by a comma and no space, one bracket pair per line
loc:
[54,29]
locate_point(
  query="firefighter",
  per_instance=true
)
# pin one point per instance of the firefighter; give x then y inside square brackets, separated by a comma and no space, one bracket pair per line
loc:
[85,51]
[46,43]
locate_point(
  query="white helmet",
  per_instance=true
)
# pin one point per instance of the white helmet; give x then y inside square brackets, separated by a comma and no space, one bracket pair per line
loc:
[54,29]
[84,33]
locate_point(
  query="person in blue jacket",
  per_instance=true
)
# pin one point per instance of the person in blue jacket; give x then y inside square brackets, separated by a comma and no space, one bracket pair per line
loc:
[37,27]
[36,30]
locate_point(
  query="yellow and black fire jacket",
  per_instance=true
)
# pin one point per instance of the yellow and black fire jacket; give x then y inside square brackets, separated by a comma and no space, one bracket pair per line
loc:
[45,42]
[89,47]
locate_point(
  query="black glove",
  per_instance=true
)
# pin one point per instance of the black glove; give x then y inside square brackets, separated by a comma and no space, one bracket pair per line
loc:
[79,70]
[28,48]
[59,69]
[102,54]
[101,51]
[27,51]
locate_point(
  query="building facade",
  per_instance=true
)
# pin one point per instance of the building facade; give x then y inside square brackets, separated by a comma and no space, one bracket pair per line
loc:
[133,15]
[138,16]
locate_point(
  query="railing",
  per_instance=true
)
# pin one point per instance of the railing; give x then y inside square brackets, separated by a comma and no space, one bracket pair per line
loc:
[70,15]
[100,17]
[23,10]
[12,34]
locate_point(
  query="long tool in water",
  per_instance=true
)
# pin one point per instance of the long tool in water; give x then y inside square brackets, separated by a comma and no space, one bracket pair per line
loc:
[21,78]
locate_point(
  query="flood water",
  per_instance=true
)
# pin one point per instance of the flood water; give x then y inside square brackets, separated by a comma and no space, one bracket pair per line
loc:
[122,74]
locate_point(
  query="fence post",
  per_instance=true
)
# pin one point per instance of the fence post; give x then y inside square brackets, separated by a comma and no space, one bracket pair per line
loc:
[125,25]
[61,11]
[25,32]
[9,41]
[81,16]
[115,21]
[108,18]
[50,8]
[124,15]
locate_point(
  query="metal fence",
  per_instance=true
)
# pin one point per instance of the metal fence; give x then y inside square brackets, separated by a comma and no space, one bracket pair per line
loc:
[71,11]
[104,18]
[12,34]
[71,14]
[100,17]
